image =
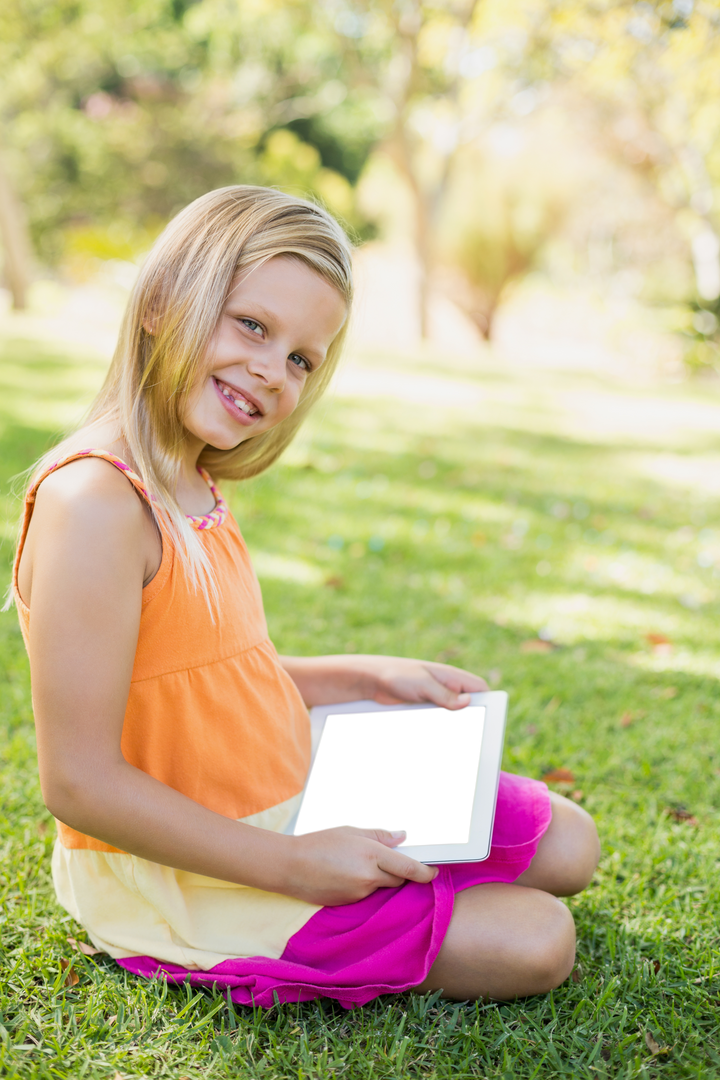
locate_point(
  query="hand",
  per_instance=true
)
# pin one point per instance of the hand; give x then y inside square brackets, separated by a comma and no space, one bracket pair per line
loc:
[389,680]
[340,866]
[400,681]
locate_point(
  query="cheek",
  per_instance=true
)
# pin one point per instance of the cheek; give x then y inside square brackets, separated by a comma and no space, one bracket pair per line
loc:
[294,393]
[202,394]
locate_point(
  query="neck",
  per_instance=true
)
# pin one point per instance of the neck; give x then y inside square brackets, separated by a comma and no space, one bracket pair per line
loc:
[192,491]
[192,449]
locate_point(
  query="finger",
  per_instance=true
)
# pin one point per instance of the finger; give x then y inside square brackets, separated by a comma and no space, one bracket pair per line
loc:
[456,678]
[399,865]
[439,693]
[389,881]
[391,837]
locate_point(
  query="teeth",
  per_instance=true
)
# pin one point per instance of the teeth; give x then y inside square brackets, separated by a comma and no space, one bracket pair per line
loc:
[241,404]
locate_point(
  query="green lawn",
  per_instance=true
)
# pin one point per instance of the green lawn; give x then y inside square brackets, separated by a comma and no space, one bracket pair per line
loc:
[540,508]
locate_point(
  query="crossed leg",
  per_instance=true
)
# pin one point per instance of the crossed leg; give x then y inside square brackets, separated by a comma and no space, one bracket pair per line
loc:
[510,941]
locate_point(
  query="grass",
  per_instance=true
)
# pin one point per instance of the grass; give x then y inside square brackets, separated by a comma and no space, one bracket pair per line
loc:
[530,513]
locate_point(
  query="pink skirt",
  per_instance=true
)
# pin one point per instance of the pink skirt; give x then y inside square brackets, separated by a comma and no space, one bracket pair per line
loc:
[385,943]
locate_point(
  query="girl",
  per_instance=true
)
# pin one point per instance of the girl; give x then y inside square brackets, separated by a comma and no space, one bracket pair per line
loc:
[173,741]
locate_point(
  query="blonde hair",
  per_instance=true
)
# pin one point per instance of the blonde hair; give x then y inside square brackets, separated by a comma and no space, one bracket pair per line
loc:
[180,294]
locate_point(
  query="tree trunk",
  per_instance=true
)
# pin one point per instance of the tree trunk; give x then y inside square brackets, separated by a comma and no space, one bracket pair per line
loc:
[15,242]
[423,248]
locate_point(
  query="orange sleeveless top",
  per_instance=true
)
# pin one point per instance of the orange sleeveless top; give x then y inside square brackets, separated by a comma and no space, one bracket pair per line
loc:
[211,712]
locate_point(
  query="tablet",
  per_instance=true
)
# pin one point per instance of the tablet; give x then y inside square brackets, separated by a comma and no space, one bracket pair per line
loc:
[432,772]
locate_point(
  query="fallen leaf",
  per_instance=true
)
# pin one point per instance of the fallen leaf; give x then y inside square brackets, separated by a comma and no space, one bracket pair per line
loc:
[656,966]
[335,582]
[657,639]
[576,975]
[679,813]
[654,1047]
[84,947]
[71,977]
[559,776]
[577,796]
[668,693]
[537,645]
[626,719]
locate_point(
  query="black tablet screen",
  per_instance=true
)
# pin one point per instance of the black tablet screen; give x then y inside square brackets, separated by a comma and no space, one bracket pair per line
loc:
[398,770]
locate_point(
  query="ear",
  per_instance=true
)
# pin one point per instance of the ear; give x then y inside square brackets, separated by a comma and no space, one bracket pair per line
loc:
[149,326]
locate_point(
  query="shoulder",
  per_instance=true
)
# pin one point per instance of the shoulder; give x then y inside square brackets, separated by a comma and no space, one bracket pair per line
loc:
[90,490]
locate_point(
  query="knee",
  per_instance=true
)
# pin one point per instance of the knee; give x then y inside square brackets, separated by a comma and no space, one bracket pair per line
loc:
[579,850]
[550,952]
[586,852]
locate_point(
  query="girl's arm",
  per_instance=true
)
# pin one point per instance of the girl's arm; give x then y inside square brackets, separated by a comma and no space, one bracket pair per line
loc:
[389,680]
[88,556]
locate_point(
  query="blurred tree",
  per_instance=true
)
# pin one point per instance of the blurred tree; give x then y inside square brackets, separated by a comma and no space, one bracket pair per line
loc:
[652,73]
[409,57]
[493,226]
[15,242]
[119,113]
[646,74]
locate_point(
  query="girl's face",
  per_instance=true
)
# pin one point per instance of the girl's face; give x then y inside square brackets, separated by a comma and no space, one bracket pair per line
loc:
[274,332]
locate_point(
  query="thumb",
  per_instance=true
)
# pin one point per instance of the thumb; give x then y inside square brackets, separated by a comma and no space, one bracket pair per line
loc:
[450,699]
[391,837]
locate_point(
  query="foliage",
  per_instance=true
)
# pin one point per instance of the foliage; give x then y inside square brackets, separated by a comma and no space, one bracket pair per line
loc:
[456,534]
[494,226]
[652,71]
[116,115]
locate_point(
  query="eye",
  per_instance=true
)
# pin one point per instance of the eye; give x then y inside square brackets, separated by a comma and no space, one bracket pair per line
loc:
[255,327]
[300,362]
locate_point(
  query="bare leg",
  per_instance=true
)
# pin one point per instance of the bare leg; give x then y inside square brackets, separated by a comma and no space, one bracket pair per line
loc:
[505,942]
[568,852]
[510,941]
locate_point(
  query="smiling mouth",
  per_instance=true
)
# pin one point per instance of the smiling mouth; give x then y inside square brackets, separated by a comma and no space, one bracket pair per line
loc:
[236,397]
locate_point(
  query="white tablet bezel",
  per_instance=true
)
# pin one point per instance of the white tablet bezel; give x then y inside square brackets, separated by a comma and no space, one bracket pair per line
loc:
[477,847]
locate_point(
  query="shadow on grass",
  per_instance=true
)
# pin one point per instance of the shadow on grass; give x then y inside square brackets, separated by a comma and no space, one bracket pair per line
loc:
[431,549]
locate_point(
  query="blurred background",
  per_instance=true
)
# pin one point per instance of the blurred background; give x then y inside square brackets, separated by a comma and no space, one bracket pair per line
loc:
[535,174]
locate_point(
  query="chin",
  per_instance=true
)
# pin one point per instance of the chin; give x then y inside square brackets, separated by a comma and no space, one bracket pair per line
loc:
[223,442]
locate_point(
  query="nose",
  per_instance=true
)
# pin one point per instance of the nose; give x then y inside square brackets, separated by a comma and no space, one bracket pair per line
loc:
[270,367]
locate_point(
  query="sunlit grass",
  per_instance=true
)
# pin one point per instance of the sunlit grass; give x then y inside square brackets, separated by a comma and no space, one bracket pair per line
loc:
[460,534]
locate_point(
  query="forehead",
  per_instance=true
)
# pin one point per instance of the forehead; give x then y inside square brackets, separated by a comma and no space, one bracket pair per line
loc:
[287,294]
[284,277]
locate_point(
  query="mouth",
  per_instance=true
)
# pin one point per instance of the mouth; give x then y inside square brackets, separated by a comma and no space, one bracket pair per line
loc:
[237,400]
